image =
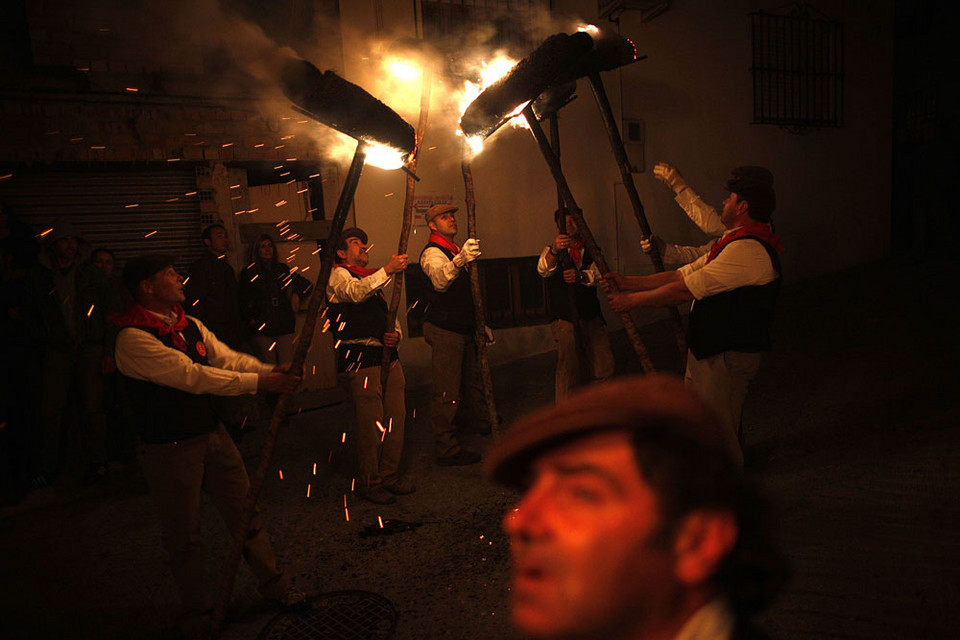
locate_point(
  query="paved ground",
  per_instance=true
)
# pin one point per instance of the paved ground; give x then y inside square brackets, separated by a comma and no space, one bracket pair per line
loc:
[853,427]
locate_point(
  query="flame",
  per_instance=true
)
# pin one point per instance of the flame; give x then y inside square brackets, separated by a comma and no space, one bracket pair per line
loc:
[380,155]
[489,73]
[593,30]
[402,69]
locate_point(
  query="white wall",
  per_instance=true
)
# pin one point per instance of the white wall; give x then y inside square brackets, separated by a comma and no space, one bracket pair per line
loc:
[694,94]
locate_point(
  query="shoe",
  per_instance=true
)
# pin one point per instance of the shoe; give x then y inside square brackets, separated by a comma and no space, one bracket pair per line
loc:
[377,495]
[461,458]
[292,599]
[401,487]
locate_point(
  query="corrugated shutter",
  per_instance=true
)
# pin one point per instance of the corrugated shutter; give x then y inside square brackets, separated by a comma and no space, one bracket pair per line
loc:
[127,212]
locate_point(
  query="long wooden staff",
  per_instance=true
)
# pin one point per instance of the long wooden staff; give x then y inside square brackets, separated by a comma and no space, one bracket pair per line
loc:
[623,163]
[425,87]
[588,238]
[583,369]
[481,332]
[318,300]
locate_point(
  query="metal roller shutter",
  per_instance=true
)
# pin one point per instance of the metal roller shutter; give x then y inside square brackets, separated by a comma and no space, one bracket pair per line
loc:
[127,212]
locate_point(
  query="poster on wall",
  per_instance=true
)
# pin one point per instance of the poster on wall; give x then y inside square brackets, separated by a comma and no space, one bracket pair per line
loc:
[423,202]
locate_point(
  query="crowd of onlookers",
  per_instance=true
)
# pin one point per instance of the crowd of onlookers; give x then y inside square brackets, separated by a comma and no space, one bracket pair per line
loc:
[63,414]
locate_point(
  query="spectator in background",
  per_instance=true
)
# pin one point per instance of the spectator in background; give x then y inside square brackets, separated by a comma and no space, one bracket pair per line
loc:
[120,438]
[69,303]
[211,290]
[269,296]
[20,368]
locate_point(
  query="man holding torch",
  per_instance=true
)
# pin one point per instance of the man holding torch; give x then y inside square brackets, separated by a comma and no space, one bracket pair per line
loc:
[173,365]
[735,288]
[449,328]
[582,306]
[358,315]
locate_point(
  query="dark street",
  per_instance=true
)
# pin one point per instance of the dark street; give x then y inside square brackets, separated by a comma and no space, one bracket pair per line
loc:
[852,428]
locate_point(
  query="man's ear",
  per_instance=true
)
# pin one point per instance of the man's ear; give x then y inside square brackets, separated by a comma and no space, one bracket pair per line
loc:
[341,254]
[704,538]
[432,225]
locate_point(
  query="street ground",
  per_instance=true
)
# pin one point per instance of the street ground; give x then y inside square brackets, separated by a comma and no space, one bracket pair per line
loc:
[853,428]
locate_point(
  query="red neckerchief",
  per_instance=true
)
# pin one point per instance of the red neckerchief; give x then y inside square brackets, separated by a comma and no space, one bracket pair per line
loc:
[576,252]
[137,316]
[437,238]
[759,230]
[363,272]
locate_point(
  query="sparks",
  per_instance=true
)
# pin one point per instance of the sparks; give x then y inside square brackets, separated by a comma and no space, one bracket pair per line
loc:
[280,471]
[343,438]
[130,206]
[154,232]
[380,520]
[308,490]
[280,203]
[272,345]
[90,310]
[314,468]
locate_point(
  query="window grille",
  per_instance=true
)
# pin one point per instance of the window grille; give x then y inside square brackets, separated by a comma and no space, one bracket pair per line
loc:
[798,70]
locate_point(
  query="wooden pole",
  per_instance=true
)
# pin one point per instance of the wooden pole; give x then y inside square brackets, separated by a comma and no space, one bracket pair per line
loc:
[588,238]
[425,87]
[318,301]
[583,369]
[481,333]
[623,163]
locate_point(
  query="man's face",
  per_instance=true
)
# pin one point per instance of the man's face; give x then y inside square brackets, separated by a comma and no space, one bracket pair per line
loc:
[65,249]
[356,253]
[733,209]
[104,261]
[581,537]
[445,224]
[219,243]
[167,287]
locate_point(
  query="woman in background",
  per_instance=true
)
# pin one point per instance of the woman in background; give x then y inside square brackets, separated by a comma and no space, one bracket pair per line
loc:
[269,296]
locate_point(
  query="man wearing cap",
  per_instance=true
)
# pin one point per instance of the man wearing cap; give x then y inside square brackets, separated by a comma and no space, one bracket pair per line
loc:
[68,307]
[449,327]
[358,317]
[735,288]
[173,365]
[634,520]
[582,276]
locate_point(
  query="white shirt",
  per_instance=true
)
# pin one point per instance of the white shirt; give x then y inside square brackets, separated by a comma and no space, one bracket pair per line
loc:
[439,268]
[712,621]
[702,214]
[343,287]
[548,263]
[742,263]
[142,356]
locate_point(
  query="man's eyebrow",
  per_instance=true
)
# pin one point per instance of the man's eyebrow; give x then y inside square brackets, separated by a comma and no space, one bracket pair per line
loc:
[585,468]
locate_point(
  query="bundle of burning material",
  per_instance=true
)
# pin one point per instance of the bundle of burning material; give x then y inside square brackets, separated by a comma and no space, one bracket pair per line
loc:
[344,106]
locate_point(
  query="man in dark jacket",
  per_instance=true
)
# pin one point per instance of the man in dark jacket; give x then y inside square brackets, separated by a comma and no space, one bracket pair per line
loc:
[173,366]
[635,520]
[69,304]
[211,289]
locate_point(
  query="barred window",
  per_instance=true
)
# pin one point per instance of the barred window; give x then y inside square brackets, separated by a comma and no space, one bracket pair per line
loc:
[797,70]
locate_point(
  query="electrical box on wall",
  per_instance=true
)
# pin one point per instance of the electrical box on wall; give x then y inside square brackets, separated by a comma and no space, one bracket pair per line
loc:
[633,141]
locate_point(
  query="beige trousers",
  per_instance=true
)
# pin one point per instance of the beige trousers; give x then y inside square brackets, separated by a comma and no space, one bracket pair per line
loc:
[722,381]
[378,452]
[596,346]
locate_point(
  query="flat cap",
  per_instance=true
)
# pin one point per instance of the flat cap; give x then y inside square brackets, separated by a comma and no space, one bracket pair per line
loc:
[438,209]
[755,185]
[634,403]
[352,232]
[143,267]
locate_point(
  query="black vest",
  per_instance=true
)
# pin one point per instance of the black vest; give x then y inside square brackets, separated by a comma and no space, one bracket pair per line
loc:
[356,321]
[452,309]
[736,320]
[585,298]
[166,414]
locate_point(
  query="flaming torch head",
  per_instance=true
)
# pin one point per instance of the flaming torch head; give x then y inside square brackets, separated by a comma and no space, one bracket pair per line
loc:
[544,67]
[346,107]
